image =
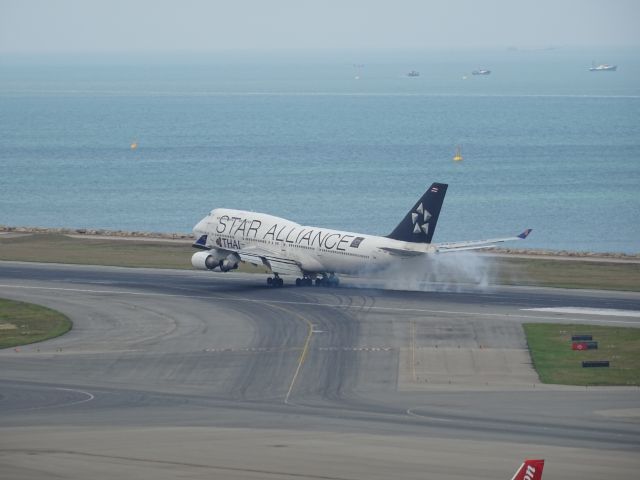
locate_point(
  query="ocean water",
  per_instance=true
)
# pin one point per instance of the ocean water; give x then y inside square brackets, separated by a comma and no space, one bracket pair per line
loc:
[339,140]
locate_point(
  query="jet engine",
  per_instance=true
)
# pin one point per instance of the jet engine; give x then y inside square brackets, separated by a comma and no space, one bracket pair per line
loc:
[212,259]
[206,260]
[230,262]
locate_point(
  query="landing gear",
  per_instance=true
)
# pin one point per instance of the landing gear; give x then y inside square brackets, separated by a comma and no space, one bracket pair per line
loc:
[276,281]
[330,280]
[304,282]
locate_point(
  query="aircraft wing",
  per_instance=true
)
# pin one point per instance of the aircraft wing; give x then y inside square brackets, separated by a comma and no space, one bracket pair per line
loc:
[263,256]
[477,244]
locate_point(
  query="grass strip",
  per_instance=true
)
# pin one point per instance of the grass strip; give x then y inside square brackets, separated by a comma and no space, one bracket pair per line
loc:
[23,323]
[569,273]
[556,362]
[58,248]
[55,248]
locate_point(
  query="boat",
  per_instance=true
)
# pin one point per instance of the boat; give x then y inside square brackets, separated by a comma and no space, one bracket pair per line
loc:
[458,156]
[413,73]
[481,71]
[604,67]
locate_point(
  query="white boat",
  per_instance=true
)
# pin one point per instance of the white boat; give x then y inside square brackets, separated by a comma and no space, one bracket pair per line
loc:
[603,68]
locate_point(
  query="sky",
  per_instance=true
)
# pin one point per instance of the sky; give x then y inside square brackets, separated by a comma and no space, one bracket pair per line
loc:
[112,26]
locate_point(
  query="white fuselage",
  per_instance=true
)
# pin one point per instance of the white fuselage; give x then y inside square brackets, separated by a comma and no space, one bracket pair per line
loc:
[315,249]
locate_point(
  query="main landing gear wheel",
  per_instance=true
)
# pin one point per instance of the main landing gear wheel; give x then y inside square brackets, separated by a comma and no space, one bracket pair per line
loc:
[275,281]
[304,282]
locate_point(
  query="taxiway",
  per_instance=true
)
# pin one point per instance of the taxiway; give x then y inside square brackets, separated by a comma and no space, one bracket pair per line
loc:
[180,373]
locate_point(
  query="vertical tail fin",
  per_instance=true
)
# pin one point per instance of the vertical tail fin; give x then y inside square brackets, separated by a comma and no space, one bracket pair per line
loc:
[420,223]
[530,470]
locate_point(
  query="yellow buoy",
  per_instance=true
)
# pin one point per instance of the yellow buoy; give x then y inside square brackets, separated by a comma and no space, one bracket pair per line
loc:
[458,156]
[134,145]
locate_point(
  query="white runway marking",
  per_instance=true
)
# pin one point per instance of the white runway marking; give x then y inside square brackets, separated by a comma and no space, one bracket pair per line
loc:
[610,312]
[90,396]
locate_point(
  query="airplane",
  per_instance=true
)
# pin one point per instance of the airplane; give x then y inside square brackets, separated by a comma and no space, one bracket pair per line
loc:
[530,470]
[227,237]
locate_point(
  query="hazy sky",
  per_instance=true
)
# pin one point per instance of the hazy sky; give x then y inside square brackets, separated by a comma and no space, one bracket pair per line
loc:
[45,26]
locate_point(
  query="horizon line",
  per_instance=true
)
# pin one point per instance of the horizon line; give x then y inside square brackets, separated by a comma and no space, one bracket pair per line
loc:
[277,50]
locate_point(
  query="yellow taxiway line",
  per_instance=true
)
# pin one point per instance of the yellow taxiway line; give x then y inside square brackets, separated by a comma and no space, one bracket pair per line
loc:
[305,349]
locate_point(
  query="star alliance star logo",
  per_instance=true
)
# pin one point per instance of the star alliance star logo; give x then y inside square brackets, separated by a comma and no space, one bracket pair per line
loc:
[421,214]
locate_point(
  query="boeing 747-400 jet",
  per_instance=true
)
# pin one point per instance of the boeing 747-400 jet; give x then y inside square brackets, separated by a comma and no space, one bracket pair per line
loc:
[228,237]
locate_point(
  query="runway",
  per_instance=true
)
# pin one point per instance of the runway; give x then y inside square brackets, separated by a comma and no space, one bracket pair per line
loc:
[191,374]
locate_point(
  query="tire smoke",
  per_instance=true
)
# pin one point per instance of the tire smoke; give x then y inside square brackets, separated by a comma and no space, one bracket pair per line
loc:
[448,272]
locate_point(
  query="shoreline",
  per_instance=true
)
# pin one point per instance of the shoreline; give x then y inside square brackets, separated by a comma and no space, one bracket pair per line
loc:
[179,237]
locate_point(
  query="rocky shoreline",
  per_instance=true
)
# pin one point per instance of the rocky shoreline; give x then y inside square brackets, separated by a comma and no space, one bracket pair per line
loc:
[121,234]
[97,232]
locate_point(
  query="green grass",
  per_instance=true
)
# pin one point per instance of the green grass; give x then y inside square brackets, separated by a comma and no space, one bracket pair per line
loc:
[569,273]
[556,362]
[53,248]
[23,323]
[56,248]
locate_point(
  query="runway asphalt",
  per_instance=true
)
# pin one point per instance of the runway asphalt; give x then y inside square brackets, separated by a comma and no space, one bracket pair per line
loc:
[185,374]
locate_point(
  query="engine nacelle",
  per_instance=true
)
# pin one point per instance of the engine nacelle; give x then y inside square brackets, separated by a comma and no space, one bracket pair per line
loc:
[211,260]
[230,262]
[206,260]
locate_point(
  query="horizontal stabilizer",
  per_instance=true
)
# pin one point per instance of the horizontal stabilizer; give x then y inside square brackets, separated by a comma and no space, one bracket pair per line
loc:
[525,234]
[478,244]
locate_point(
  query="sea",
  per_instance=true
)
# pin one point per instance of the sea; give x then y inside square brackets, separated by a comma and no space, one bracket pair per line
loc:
[342,140]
